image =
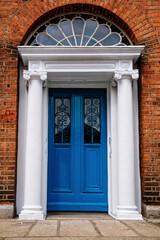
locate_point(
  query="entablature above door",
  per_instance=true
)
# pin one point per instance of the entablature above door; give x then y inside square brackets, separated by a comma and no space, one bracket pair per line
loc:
[79,64]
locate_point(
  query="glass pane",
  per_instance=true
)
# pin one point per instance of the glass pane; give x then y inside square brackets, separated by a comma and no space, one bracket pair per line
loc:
[125,41]
[65,26]
[62,126]
[101,32]
[58,120]
[98,44]
[65,43]
[111,40]
[91,42]
[78,39]
[54,31]
[91,25]
[33,42]
[44,39]
[87,120]
[96,120]
[92,122]
[72,41]
[85,40]
[66,120]
[78,25]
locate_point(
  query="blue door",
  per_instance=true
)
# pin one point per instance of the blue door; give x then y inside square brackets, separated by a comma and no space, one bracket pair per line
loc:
[77,164]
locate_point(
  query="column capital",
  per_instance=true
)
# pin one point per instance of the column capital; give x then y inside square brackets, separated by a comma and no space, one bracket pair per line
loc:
[113,83]
[121,74]
[32,75]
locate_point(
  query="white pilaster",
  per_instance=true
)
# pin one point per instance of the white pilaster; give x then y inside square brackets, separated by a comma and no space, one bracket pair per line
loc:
[113,145]
[126,208]
[32,208]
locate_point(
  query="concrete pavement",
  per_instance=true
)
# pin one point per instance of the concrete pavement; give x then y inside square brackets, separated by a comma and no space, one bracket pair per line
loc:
[79,226]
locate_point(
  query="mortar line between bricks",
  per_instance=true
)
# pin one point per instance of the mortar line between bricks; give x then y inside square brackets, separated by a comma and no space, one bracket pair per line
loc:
[58,228]
[29,230]
[139,234]
[96,228]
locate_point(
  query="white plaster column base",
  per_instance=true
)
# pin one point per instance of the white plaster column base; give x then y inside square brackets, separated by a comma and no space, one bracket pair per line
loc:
[32,213]
[128,213]
[32,216]
[128,216]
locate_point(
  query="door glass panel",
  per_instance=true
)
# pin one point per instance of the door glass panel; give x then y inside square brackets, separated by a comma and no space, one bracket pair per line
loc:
[62,120]
[92,121]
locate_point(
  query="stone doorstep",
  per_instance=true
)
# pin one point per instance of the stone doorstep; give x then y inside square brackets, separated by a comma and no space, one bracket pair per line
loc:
[6,211]
[151,212]
[78,215]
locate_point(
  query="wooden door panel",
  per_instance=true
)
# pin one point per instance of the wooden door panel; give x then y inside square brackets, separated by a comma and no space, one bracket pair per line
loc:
[77,165]
[62,170]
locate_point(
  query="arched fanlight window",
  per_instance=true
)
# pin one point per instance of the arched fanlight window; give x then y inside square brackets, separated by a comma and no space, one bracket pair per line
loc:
[78,30]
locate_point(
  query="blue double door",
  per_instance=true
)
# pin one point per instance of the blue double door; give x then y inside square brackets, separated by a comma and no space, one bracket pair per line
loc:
[77,164]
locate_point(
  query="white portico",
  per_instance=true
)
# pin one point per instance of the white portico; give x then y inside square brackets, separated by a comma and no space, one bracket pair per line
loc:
[112,68]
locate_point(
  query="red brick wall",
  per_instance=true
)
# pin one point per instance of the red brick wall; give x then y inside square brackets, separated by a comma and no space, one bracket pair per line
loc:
[140,19]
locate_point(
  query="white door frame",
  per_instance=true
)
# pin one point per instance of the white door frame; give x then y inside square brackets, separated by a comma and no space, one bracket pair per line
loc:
[81,67]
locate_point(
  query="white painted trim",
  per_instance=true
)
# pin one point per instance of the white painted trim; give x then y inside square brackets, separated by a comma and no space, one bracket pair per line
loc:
[45,150]
[45,53]
[22,118]
[108,111]
[112,160]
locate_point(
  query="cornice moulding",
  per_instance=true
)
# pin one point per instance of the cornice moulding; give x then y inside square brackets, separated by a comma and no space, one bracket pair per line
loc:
[45,53]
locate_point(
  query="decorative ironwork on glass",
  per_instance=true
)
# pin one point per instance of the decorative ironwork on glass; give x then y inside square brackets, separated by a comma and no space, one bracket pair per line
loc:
[92,120]
[77,30]
[62,120]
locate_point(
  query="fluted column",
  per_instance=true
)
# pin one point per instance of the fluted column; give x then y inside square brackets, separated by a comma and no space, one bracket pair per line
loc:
[127,208]
[32,208]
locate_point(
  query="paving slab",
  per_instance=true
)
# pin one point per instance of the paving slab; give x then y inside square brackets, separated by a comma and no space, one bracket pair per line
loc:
[58,238]
[84,238]
[144,228]
[130,238]
[44,228]
[77,228]
[113,228]
[14,228]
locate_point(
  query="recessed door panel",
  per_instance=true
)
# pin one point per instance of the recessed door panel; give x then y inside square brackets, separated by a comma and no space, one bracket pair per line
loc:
[77,164]
[62,170]
[92,171]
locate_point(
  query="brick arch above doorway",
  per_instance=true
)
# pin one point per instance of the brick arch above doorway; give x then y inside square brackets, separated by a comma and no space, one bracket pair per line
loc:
[124,13]
[87,8]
